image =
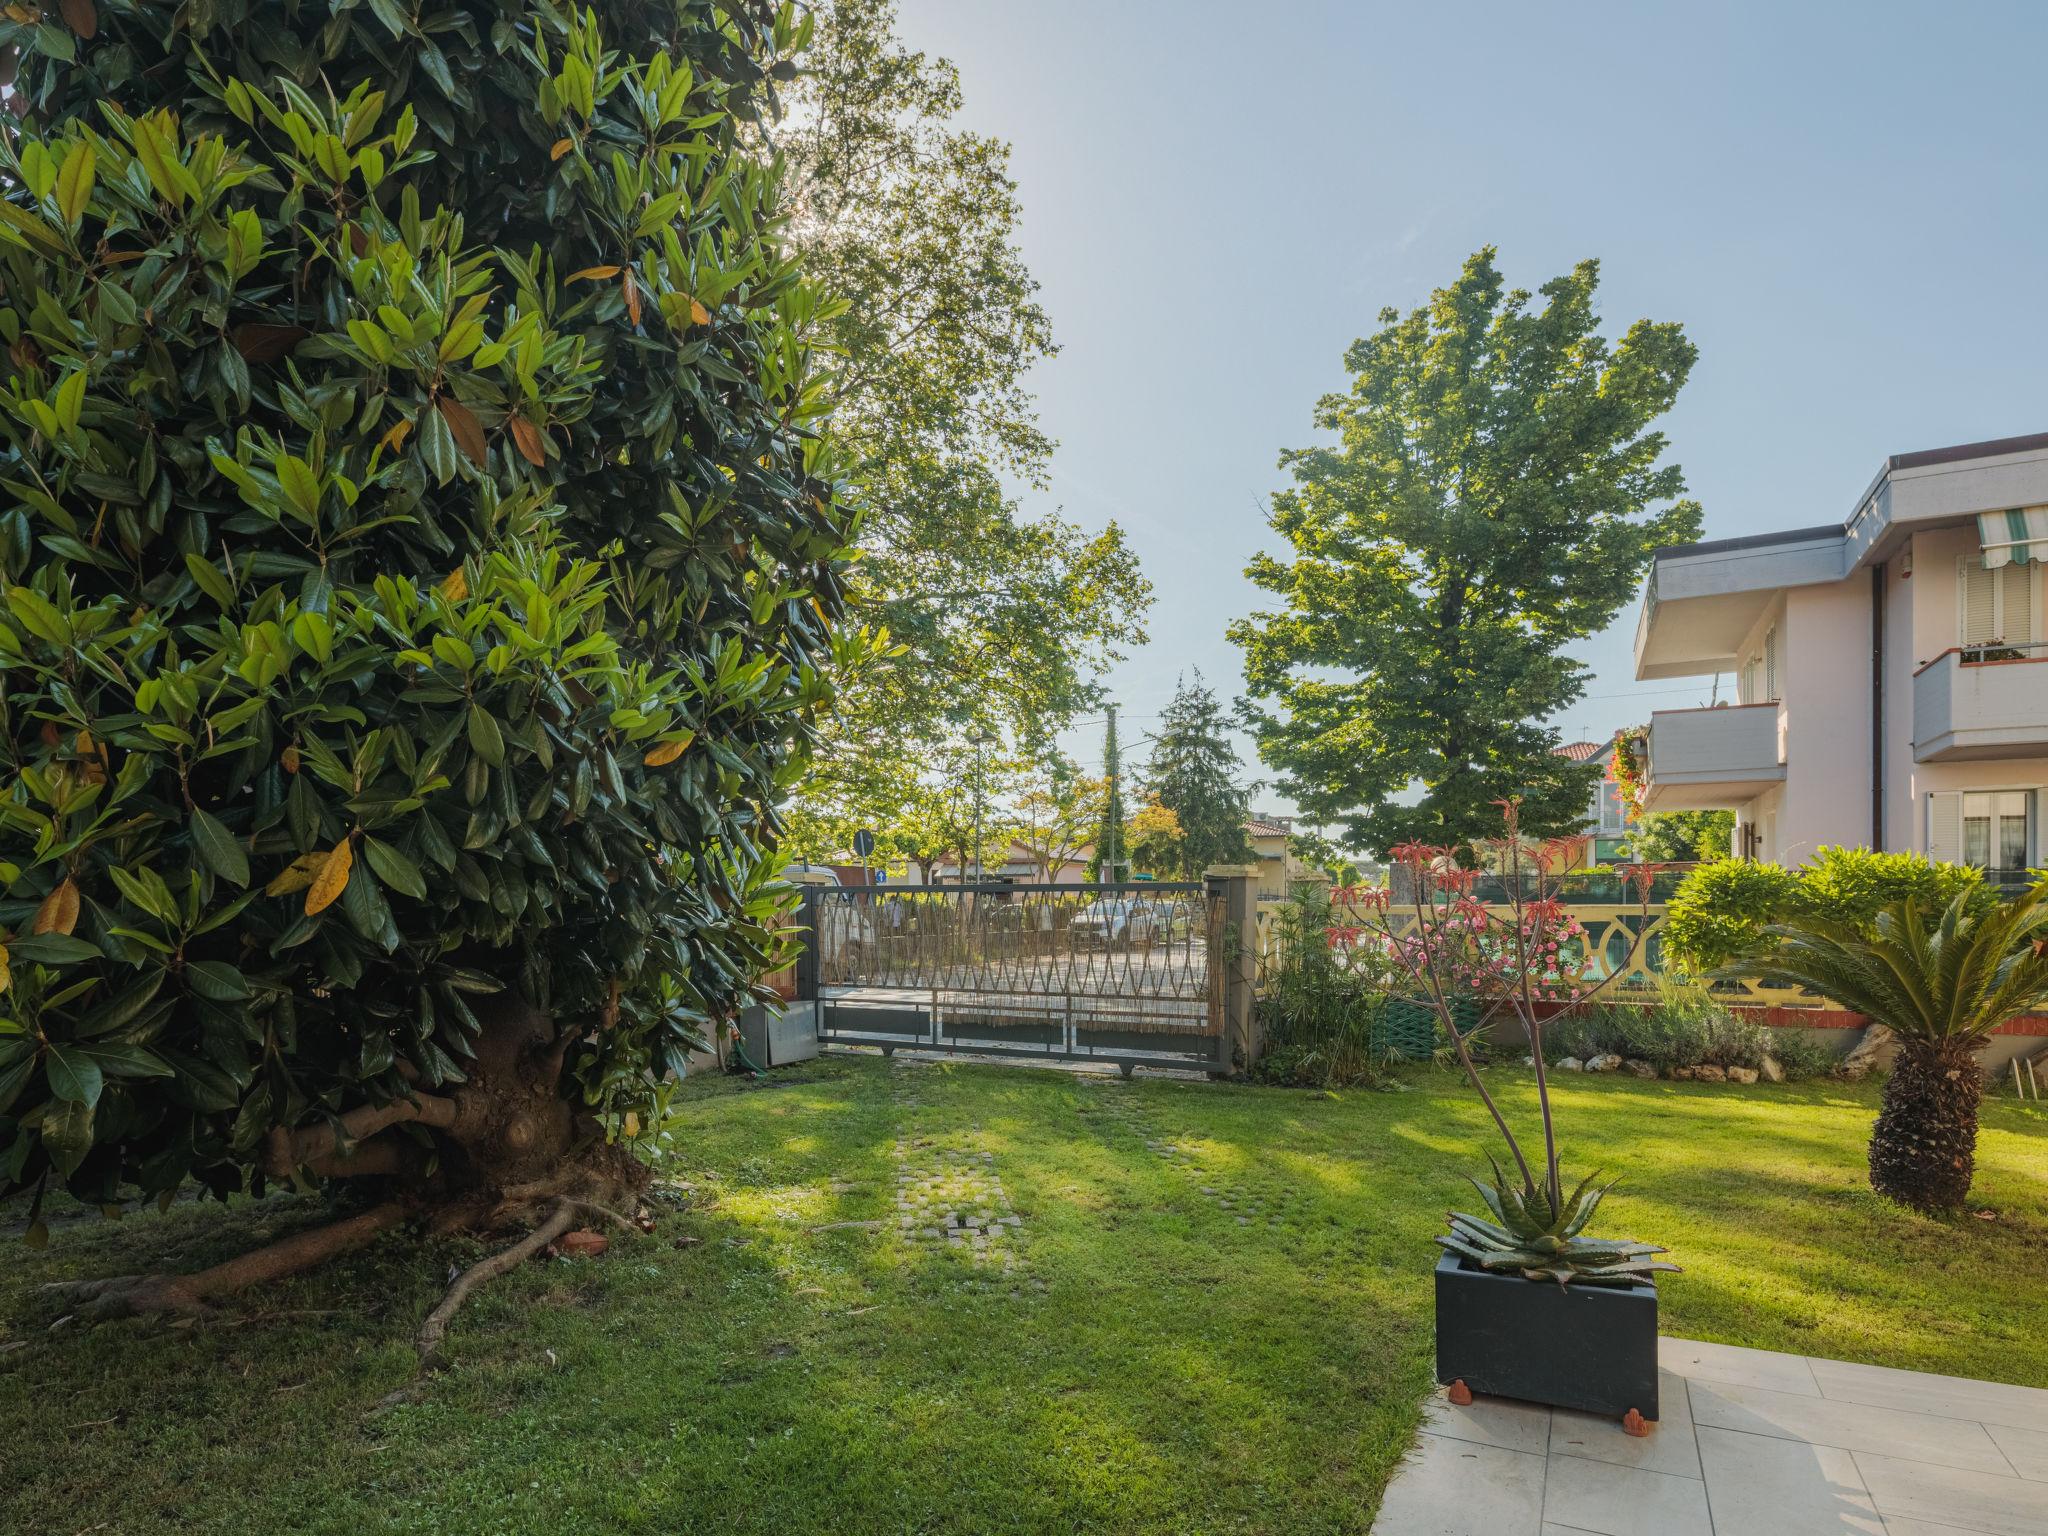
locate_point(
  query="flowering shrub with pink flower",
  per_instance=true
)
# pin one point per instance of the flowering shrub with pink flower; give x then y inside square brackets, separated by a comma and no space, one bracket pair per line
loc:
[1525,958]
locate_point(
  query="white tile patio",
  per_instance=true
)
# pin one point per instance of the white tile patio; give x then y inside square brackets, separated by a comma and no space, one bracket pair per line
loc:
[1751,1443]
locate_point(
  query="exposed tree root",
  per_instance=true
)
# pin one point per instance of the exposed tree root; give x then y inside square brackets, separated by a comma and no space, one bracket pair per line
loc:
[432,1331]
[617,1218]
[134,1295]
[488,1154]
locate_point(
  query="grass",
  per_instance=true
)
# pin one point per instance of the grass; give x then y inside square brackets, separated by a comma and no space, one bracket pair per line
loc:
[1158,1362]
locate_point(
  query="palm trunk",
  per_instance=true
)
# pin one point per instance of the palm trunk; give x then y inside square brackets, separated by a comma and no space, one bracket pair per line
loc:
[1923,1151]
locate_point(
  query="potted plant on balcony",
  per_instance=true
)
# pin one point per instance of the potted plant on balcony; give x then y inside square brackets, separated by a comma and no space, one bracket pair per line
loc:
[1527,1304]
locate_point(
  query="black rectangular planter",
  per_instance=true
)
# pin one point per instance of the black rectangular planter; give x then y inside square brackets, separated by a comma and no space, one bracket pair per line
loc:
[1576,1346]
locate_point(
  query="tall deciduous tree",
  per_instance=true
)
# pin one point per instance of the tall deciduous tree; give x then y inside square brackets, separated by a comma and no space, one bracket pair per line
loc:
[1683,835]
[1492,496]
[421,558]
[1193,772]
[1155,840]
[1323,854]
[1058,811]
[1006,621]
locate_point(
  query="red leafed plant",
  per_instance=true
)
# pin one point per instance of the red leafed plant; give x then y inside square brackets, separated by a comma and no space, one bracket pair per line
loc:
[1526,957]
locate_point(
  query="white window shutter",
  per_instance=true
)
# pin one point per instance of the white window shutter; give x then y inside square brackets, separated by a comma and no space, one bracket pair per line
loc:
[1945,828]
[1976,604]
[2016,623]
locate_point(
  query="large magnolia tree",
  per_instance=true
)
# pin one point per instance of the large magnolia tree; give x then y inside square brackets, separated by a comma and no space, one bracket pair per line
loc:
[421,557]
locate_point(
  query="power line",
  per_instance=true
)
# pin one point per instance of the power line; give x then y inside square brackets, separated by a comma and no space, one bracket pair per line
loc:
[1640,693]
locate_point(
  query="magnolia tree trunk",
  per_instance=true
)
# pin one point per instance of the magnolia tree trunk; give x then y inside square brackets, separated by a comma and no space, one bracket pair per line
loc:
[501,1152]
[1923,1152]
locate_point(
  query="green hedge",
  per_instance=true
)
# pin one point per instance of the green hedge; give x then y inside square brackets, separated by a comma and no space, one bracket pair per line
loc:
[1720,910]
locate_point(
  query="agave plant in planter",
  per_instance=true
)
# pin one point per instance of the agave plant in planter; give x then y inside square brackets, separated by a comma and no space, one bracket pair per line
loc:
[1528,1305]
[1532,1237]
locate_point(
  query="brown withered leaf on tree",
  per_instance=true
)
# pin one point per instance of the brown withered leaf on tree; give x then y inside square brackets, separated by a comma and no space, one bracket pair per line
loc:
[332,880]
[59,910]
[530,442]
[260,343]
[467,431]
[298,874]
[666,753]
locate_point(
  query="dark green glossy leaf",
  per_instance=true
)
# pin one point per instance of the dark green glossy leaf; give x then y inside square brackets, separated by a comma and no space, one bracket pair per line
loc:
[223,854]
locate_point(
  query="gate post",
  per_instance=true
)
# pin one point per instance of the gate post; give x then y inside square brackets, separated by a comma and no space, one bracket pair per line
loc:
[810,884]
[807,958]
[1234,966]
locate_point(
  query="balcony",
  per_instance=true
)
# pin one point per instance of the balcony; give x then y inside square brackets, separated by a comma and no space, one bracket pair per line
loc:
[1711,759]
[1982,702]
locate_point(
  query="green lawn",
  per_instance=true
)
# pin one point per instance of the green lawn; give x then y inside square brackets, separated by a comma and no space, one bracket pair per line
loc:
[1154,1361]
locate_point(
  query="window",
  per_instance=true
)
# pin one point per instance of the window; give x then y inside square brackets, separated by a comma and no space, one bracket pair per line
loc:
[1995,829]
[1609,802]
[1760,673]
[1993,608]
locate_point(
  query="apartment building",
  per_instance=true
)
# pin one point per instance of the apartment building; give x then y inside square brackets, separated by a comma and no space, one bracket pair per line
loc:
[1887,673]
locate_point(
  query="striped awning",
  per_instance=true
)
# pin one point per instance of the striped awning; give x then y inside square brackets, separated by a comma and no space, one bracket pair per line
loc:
[2017,537]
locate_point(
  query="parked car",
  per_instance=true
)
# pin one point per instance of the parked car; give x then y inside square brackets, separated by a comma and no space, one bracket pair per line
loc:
[1122,920]
[845,917]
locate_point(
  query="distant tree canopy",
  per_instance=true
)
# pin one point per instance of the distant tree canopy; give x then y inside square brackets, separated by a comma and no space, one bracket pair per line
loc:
[1193,773]
[1005,621]
[1059,810]
[1681,835]
[1492,496]
[422,559]
[1155,838]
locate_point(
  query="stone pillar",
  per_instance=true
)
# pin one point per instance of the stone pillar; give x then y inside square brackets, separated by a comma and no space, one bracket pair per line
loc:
[1233,966]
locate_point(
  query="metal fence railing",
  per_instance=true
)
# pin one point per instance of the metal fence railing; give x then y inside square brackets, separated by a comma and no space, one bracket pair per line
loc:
[1616,937]
[1140,941]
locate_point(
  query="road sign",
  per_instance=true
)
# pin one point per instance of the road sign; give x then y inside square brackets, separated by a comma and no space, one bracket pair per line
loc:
[863,843]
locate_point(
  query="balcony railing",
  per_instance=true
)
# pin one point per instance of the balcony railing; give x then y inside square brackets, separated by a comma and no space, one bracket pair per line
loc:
[1611,887]
[1705,759]
[1982,701]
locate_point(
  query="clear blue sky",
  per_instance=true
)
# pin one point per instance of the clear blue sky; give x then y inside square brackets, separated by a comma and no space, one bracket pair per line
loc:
[1843,205]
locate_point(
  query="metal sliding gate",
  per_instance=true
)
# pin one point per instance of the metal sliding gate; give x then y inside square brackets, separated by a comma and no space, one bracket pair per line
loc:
[1127,974]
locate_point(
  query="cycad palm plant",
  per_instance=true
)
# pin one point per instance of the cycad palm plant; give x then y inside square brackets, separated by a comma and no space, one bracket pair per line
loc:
[1942,987]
